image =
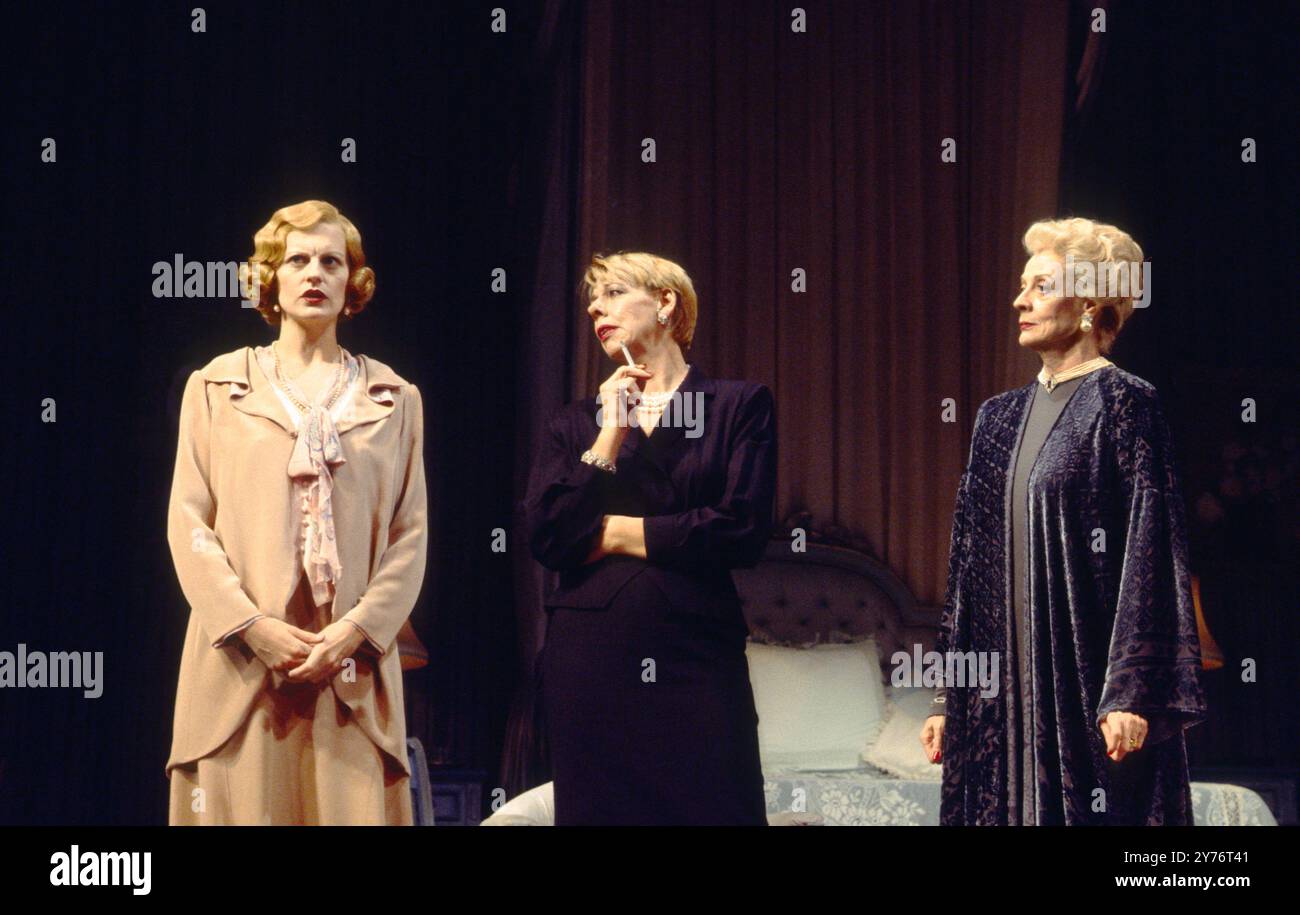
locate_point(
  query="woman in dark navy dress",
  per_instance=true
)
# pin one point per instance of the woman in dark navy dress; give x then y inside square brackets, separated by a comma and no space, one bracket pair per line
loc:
[643,499]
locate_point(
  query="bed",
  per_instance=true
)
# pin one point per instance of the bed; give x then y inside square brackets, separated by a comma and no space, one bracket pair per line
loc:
[839,742]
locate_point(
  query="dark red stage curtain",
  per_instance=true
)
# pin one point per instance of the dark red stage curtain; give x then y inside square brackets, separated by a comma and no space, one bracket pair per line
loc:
[818,151]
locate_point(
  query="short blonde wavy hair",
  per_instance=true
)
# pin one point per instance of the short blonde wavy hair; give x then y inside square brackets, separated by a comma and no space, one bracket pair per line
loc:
[268,256]
[653,274]
[1100,244]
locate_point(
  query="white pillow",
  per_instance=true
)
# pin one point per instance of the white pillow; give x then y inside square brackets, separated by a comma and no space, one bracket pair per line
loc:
[817,706]
[898,749]
[535,807]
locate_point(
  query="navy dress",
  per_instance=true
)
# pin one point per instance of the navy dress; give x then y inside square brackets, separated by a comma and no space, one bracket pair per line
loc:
[645,687]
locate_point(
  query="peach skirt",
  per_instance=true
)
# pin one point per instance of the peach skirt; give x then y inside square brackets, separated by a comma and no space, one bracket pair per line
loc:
[299,760]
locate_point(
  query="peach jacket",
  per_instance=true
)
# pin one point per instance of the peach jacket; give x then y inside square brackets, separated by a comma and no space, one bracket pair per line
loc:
[232,529]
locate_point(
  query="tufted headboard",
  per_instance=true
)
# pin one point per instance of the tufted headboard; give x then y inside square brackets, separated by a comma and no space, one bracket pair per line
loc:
[832,594]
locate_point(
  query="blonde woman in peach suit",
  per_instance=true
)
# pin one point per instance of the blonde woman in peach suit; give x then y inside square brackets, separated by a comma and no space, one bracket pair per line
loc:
[297,524]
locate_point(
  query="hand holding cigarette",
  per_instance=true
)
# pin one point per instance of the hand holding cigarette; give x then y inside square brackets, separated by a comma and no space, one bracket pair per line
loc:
[619,395]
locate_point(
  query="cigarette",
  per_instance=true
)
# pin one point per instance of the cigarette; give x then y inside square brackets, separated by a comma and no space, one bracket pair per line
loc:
[630,361]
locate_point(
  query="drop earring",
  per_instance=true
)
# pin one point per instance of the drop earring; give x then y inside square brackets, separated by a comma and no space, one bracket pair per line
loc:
[276,306]
[1085,325]
[662,318]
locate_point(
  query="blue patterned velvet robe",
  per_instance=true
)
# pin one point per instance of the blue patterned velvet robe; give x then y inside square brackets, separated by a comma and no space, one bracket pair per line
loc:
[1111,630]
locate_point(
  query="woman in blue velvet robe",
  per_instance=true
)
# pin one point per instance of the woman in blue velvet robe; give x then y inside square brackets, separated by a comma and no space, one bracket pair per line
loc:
[1094,733]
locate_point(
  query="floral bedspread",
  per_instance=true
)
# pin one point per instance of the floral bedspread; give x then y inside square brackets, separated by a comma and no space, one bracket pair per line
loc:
[870,798]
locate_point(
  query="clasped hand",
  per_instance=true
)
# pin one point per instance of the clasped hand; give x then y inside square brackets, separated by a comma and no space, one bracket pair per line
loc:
[619,534]
[302,655]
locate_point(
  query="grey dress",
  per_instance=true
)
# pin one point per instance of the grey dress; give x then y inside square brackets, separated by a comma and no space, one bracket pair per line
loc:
[1044,411]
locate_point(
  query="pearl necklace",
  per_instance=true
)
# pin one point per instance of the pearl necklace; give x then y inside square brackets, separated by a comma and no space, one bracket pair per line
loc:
[657,400]
[1050,381]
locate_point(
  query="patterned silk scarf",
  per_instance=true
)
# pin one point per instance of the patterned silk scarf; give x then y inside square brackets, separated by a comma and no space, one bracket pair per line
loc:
[316,450]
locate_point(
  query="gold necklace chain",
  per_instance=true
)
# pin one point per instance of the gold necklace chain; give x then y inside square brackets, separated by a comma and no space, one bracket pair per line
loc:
[336,386]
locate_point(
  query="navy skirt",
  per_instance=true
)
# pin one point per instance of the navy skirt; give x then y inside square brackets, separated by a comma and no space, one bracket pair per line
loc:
[649,714]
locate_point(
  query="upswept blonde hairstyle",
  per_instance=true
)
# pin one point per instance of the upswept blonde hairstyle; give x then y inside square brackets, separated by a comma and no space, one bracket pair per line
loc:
[1102,245]
[653,274]
[268,256]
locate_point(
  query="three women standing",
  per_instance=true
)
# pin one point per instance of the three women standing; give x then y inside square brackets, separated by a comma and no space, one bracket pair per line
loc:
[297,524]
